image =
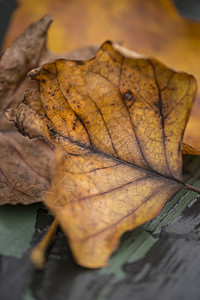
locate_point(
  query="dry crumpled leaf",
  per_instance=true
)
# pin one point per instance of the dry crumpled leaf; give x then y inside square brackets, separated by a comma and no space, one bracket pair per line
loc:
[116,120]
[23,55]
[25,164]
[152,27]
[24,177]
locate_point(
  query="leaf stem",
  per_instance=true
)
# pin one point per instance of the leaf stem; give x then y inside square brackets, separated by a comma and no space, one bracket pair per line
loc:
[37,255]
[192,188]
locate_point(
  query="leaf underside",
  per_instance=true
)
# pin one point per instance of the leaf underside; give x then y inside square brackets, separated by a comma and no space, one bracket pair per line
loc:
[23,177]
[119,122]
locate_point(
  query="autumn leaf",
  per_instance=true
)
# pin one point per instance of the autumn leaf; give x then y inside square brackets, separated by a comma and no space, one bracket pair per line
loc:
[119,122]
[23,55]
[24,175]
[162,33]
[187,149]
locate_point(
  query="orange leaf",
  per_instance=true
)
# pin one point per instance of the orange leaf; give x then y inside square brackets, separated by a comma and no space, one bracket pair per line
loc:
[152,27]
[120,122]
[186,149]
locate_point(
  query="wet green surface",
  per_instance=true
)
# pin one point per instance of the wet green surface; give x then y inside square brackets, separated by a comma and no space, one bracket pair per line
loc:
[16,228]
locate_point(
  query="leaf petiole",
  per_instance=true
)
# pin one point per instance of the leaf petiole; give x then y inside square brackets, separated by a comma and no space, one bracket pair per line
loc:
[192,188]
[37,255]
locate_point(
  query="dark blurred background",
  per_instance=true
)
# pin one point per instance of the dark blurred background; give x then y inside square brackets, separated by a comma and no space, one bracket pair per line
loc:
[6,9]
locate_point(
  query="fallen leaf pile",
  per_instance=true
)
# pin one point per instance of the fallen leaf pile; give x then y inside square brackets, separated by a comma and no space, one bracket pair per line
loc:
[117,123]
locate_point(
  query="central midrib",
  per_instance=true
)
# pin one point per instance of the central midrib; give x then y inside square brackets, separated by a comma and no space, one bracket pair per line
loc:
[121,161]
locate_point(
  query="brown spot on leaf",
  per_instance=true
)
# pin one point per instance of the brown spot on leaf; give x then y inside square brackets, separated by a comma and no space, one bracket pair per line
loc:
[129,98]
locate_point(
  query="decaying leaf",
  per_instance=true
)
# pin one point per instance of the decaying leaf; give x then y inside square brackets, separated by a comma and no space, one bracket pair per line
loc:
[25,164]
[23,55]
[153,27]
[120,123]
[24,170]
